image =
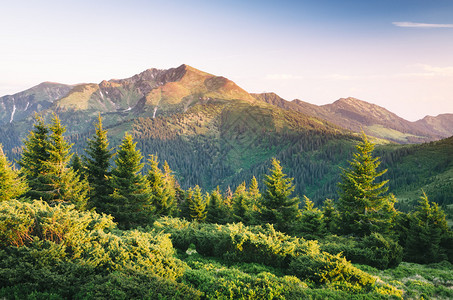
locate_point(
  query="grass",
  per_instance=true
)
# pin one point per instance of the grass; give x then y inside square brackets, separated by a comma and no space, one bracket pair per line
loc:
[434,281]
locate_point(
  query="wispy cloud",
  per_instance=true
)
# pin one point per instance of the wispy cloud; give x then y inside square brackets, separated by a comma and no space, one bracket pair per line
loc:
[298,77]
[421,25]
[424,70]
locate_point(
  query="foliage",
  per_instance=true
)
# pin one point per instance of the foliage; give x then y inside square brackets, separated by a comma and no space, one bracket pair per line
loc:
[45,163]
[162,188]
[11,185]
[426,237]
[373,250]
[257,244]
[97,165]
[196,204]
[218,211]
[311,224]
[277,207]
[364,207]
[131,201]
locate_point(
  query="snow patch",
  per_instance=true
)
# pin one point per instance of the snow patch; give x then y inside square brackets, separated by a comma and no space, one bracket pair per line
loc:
[26,107]
[12,114]
[154,113]
[102,95]
[128,109]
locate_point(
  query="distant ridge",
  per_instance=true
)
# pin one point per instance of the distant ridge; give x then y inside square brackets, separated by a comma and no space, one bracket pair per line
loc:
[355,115]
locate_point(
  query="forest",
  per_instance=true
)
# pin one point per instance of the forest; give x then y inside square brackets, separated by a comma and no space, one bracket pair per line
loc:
[114,224]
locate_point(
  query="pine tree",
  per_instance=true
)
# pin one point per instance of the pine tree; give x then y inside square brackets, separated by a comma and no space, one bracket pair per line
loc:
[45,163]
[77,166]
[35,153]
[311,221]
[196,204]
[277,206]
[162,188]
[426,233]
[242,208]
[364,204]
[217,212]
[331,217]
[255,196]
[97,164]
[131,201]
[11,185]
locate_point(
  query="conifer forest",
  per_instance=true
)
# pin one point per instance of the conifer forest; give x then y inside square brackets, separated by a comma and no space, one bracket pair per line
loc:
[109,222]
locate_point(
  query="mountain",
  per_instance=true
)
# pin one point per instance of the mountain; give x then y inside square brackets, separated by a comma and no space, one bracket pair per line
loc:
[213,133]
[21,105]
[355,115]
[442,124]
[156,91]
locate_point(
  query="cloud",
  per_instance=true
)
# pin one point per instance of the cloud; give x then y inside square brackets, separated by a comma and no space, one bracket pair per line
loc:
[424,70]
[421,25]
[283,77]
[298,77]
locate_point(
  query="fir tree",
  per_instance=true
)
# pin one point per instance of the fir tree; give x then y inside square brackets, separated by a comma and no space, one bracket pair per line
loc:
[196,204]
[242,210]
[254,196]
[427,233]
[162,188]
[277,206]
[331,217]
[45,163]
[97,164]
[77,166]
[130,204]
[311,221]
[217,212]
[35,153]
[364,204]
[11,185]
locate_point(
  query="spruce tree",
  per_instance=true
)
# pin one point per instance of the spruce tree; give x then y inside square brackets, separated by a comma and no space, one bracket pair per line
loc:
[426,234]
[311,221]
[35,153]
[161,188]
[77,166]
[45,163]
[277,206]
[331,217]
[255,196]
[217,212]
[131,201]
[196,204]
[364,204]
[242,208]
[97,164]
[11,185]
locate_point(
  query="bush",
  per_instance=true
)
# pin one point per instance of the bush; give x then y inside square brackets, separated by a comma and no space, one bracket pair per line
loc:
[374,250]
[263,244]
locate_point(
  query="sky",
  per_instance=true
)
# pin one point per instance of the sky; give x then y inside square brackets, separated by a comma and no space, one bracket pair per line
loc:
[397,54]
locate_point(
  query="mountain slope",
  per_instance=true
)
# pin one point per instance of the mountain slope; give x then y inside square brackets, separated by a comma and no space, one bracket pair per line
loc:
[151,91]
[21,105]
[358,115]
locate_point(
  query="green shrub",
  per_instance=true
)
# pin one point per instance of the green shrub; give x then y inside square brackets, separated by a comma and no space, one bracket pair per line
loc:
[374,250]
[263,244]
[327,268]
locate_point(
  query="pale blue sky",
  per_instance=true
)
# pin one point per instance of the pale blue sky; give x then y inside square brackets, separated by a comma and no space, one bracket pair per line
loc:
[397,54]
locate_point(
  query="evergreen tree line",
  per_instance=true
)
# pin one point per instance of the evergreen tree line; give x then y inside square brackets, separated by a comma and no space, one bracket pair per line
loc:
[364,210]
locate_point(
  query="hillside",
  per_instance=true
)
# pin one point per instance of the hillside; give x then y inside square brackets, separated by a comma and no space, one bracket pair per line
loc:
[212,132]
[355,115]
[21,105]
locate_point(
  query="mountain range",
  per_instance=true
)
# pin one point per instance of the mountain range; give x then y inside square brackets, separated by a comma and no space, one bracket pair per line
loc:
[212,132]
[160,92]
